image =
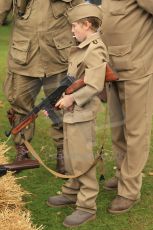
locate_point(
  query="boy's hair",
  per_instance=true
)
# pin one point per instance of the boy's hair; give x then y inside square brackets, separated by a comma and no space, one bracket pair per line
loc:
[95,22]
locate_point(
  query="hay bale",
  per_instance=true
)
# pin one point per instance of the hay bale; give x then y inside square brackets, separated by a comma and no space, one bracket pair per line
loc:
[11,204]
[16,220]
[11,193]
[3,150]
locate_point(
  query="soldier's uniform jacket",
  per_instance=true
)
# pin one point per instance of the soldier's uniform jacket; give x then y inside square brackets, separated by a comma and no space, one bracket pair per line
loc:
[130,51]
[41,38]
[88,61]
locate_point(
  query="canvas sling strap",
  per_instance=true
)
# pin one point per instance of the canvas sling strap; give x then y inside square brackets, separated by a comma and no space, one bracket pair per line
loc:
[98,158]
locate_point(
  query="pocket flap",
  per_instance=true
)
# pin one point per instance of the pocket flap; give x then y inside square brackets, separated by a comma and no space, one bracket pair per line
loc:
[119,50]
[62,41]
[20,50]
[21,45]
[78,116]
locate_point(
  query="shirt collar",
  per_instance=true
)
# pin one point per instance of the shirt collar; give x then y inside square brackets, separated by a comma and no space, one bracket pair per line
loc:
[89,40]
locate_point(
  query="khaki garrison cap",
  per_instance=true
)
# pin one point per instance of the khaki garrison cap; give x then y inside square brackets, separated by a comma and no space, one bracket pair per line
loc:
[84,10]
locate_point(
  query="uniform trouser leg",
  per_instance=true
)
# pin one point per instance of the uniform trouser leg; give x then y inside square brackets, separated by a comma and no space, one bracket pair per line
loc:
[134,100]
[49,85]
[115,102]
[21,92]
[78,155]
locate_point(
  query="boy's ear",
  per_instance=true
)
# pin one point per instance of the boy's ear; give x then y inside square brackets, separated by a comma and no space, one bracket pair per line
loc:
[87,24]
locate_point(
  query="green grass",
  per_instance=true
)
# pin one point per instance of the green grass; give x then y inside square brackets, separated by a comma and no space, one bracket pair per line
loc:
[42,184]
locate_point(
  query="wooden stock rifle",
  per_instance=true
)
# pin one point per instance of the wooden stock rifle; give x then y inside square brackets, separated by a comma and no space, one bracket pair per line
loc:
[68,85]
[22,165]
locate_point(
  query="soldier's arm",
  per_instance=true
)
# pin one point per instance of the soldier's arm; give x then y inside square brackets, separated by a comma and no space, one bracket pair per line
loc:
[5,8]
[147,5]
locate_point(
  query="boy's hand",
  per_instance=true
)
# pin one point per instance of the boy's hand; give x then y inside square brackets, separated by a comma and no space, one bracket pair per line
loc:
[65,102]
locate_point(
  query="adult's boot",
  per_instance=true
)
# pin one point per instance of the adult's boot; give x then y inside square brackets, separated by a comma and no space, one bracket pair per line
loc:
[22,153]
[60,160]
[21,149]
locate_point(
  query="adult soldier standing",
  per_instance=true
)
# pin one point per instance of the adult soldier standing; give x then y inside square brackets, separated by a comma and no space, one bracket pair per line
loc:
[128,34]
[39,48]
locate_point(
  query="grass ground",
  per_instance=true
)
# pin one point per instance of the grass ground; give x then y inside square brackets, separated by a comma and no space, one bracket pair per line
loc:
[41,184]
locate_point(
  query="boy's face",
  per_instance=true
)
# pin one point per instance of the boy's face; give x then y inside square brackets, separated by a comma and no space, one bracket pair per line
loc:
[80,31]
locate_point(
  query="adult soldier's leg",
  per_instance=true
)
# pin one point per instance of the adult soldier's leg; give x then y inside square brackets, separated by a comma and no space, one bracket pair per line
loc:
[49,85]
[21,92]
[115,102]
[137,109]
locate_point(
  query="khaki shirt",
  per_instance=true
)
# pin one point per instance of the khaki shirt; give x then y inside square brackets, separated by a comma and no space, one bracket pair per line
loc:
[128,34]
[41,38]
[87,60]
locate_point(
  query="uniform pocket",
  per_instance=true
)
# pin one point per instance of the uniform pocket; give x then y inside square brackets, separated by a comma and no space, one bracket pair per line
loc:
[78,115]
[83,114]
[8,87]
[20,51]
[63,42]
[60,7]
[118,7]
[120,57]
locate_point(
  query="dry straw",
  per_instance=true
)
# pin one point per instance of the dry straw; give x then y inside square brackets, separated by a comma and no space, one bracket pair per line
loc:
[16,220]
[12,216]
[11,193]
[3,150]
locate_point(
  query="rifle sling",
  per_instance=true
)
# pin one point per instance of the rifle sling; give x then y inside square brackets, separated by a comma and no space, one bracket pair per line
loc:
[56,174]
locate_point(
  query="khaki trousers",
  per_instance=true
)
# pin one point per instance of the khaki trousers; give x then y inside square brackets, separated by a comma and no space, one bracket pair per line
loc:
[21,92]
[78,156]
[131,108]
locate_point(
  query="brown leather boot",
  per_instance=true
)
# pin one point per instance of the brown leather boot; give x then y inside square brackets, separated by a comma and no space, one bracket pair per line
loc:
[121,205]
[78,218]
[59,201]
[22,153]
[111,184]
[60,160]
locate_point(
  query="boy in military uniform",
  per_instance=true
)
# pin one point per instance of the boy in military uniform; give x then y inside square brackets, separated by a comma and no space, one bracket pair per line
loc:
[38,56]
[87,61]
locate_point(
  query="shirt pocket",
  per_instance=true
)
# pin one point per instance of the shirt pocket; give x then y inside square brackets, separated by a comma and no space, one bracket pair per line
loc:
[78,115]
[120,57]
[118,7]
[59,7]
[20,51]
[63,43]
